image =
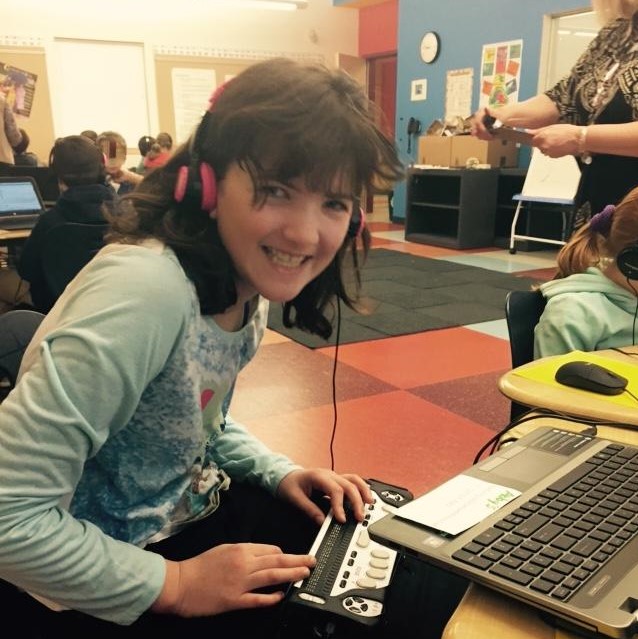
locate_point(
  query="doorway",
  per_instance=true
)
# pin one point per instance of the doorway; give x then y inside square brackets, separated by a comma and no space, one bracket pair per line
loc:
[382,84]
[565,38]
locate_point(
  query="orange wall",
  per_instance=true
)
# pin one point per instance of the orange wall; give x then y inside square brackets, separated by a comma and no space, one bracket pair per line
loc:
[378,26]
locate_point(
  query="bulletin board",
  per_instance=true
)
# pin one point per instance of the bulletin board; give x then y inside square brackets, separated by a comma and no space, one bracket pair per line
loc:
[39,124]
[184,84]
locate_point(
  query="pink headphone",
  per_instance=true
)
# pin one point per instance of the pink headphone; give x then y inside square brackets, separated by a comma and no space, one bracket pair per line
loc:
[197,181]
[357,222]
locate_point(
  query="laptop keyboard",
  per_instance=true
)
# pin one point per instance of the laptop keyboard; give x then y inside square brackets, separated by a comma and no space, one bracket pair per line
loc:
[559,538]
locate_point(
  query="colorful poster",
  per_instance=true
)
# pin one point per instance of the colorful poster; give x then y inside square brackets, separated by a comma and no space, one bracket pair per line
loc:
[18,87]
[500,73]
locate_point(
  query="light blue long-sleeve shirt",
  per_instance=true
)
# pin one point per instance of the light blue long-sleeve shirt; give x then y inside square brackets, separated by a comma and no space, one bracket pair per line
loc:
[584,312]
[117,433]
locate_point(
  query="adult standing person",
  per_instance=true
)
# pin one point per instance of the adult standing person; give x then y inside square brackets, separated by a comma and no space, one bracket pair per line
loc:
[10,135]
[592,113]
[21,155]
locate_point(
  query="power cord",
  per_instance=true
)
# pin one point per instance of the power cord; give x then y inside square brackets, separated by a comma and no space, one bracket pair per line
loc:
[620,350]
[633,327]
[334,385]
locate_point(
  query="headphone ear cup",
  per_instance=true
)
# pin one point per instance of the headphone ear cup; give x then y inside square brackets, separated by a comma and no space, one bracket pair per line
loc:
[357,223]
[181,184]
[208,186]
[202,190]
[627,262]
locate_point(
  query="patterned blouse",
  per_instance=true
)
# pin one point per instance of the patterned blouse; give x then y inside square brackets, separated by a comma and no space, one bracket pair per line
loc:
[602,88]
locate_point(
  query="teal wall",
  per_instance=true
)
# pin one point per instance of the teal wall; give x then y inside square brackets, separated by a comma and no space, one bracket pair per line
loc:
[464,26]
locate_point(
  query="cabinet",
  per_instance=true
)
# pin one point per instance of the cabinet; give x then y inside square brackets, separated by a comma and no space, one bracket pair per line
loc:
[454,208]
[540,219]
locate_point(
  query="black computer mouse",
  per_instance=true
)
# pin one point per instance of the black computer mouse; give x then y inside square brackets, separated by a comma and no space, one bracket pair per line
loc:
[591,377]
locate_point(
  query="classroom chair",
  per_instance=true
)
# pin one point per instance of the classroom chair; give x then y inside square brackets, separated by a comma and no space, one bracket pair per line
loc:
[16,330]
[523,309]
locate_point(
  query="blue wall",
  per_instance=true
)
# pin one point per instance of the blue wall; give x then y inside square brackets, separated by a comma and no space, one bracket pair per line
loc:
[464,26]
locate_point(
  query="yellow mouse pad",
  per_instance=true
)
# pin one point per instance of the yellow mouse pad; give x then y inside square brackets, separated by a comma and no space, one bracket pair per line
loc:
[544,370]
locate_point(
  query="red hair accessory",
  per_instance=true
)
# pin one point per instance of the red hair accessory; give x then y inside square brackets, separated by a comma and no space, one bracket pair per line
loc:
[216,93]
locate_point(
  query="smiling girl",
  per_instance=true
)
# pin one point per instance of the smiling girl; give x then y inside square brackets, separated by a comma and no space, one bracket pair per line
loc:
[129,495]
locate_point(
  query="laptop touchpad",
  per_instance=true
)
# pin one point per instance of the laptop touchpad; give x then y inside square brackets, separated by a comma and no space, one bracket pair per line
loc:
[517,470]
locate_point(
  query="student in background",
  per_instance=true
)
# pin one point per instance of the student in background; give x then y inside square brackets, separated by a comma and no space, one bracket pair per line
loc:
[159,152]
[21,156]
[592,113]
[144,145]
[89,133]
[79,167]
[10,135]
[113,145]
[141,501]
[591,304]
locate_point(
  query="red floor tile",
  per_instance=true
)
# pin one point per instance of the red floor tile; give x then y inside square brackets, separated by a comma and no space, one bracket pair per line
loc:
[540,274]
[413,360]
[381,242]
[395,437]
[286,376]
[377,227]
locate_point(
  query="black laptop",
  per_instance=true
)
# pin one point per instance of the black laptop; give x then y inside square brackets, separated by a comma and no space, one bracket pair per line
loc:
[551,520]
[20,203]
[45,179]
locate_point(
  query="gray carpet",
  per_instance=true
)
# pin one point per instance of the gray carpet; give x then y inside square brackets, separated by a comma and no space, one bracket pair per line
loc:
[405,294]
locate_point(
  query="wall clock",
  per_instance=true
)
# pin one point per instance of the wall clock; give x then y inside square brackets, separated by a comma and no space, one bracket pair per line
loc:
[430,45]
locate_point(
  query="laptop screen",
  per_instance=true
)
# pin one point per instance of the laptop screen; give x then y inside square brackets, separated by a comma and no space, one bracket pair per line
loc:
[45,179]
[19,196]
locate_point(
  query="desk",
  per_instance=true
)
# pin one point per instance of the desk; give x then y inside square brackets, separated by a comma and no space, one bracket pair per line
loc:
[486,614]
[568,400]
[14,234]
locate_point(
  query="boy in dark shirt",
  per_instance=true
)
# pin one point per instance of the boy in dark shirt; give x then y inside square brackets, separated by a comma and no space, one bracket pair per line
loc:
[79,167]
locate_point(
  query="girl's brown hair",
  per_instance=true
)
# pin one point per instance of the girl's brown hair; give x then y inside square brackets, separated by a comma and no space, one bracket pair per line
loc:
[282,119]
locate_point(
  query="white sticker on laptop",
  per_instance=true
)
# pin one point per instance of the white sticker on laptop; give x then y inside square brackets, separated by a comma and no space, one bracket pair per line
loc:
[458,504]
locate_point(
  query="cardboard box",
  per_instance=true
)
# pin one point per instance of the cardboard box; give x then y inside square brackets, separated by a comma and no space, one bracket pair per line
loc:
[496,153]
[435,150]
